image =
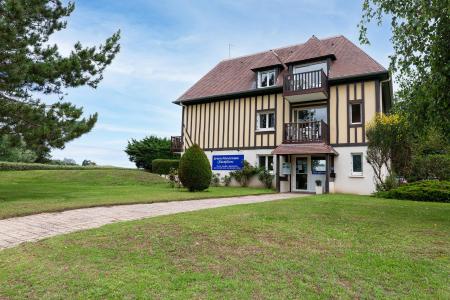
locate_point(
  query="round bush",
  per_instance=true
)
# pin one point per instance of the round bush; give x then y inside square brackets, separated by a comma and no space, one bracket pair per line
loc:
[194,170]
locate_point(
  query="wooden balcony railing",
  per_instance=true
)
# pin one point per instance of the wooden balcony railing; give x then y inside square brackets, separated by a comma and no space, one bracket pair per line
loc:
[176,144]
[305,132]
[307,82]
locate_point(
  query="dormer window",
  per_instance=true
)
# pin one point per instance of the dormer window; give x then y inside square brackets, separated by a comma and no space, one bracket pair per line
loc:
[266,78]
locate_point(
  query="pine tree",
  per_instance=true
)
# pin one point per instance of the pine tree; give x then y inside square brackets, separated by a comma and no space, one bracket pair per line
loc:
[30,65]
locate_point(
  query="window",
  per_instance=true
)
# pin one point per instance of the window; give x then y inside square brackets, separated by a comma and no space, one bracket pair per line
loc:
[266,162]
[266,78]
[357,168]
[311,114]
[265,121]
[355,113]
[318,165]
[311,67]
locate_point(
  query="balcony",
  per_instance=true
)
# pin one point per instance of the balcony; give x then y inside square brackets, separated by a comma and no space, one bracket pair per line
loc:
[176,144]
[305,132]
[306,86]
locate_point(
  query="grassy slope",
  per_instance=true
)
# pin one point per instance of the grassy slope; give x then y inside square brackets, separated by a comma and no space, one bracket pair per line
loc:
[27,192]
[315,247]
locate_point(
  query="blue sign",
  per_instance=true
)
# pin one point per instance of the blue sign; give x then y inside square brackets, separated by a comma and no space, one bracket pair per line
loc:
[227,162]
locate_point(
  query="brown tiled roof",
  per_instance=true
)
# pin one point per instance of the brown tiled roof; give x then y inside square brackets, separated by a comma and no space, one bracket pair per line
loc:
[236,75]
[313,148]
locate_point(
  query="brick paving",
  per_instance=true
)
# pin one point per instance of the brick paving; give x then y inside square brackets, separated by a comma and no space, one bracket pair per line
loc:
[15,231]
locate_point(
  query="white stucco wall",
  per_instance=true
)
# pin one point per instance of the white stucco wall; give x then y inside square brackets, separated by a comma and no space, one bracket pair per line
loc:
[249,155]
[344,181]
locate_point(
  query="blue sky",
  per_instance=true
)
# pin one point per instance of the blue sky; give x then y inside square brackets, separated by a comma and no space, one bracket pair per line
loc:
[167,46]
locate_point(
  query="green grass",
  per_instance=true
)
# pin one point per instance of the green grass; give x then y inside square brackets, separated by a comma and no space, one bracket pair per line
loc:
[29,192]
[330,246]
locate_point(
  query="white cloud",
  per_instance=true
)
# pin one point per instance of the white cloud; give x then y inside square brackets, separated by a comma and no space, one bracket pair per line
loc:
[132,130]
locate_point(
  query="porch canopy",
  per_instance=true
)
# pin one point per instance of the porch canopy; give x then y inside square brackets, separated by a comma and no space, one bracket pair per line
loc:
[311,148]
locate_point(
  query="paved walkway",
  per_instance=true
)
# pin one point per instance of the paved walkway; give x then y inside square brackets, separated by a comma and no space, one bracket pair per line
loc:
[31,228]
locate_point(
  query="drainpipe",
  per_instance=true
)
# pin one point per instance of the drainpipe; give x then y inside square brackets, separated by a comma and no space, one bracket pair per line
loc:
[391,91]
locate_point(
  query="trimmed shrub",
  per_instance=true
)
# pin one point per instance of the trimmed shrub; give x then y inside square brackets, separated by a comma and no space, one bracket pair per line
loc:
[226,180]
[243,176]
[266,178]
[174,181]
[195,170]
[427,190]
[163,166]
[16,166]
[215,179]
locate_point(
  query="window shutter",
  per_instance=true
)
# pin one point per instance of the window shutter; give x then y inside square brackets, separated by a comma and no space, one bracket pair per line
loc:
[257,121]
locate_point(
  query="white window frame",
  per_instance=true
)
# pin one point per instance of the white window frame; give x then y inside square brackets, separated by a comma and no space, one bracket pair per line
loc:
[265,113]
[357,174]
[311,67]
[260,73]
[266,162]
[360,113]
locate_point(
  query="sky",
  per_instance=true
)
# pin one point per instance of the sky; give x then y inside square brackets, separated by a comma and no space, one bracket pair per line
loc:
[166,46]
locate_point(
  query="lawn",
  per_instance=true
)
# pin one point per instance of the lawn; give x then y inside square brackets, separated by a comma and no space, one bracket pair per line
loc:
[28,192]
[329,246]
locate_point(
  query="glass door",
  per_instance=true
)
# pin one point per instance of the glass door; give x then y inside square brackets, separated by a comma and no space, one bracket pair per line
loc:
[310,114]
[301,173]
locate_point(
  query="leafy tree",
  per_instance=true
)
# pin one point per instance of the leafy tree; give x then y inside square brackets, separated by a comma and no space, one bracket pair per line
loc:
[15,150]
[64,162]
[143,152]
[421,58]
[195,170]
[87,162]
[30,65]
[389,148]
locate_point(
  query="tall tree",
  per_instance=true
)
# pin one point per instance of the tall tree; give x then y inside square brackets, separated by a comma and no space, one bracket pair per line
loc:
[143,152]
[421,58]
[30,65]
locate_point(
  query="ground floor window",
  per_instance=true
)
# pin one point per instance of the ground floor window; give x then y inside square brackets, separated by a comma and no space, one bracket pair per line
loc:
[318,165]
[266,162]
[357,166]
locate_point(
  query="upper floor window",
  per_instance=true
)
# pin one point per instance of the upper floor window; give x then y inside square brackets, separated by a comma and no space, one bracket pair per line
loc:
[266,78]
[355,113]
[265,120]
[310,114]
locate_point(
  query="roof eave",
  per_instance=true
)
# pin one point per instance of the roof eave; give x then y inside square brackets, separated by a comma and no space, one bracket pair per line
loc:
[382,75]
[251,92]
[316,58]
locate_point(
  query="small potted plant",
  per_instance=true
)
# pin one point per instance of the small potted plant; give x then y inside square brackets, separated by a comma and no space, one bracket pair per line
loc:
[319,189]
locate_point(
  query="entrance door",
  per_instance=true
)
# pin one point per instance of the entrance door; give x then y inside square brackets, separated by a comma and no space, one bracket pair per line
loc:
[301,173]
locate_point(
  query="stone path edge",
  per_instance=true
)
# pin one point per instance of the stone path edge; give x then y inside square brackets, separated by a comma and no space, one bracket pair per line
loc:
[31,228]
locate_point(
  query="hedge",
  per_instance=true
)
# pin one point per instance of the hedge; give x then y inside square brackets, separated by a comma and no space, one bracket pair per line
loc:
[18,166]
[163,166]
[427,190]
